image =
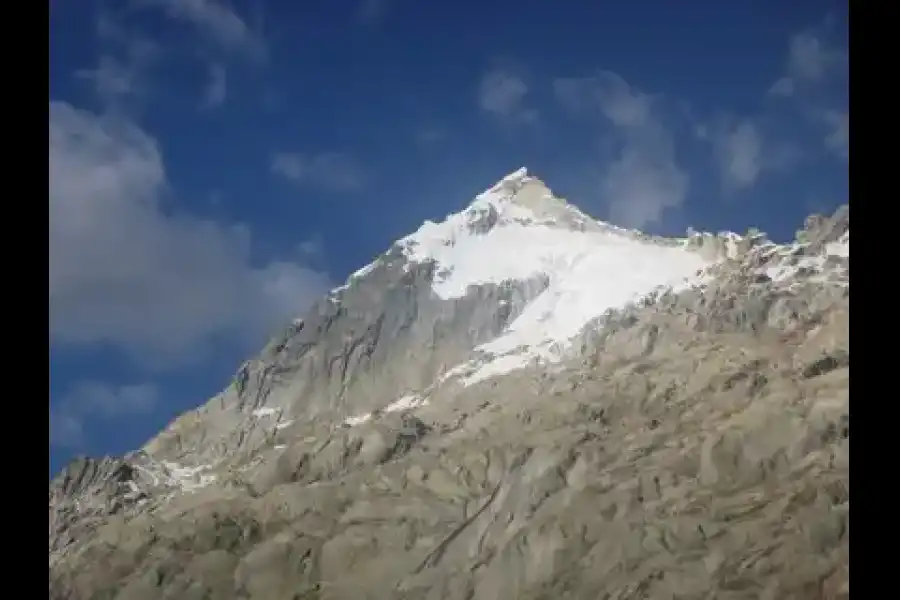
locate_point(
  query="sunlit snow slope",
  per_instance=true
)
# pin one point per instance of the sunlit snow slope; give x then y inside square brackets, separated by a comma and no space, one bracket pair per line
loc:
[517,230]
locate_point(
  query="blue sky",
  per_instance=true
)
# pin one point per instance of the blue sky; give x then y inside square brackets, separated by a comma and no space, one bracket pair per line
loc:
[215,167]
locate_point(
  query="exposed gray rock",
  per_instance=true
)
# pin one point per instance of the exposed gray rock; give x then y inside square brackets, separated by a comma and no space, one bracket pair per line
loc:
[694,443]
[386,334]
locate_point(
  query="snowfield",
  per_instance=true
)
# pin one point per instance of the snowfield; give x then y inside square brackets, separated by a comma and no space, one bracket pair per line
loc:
[590,269]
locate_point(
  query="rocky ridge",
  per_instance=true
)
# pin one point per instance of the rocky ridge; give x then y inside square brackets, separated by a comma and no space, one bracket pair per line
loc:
[694,439]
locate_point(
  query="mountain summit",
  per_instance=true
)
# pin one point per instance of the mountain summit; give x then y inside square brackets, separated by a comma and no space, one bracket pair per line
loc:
[518,231]
[516,402]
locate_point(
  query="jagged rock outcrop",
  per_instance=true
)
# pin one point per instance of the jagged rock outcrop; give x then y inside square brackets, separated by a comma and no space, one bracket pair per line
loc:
[692,443]
[86,492]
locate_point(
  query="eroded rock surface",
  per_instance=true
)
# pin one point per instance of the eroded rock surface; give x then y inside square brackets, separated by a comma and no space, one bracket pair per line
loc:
[694,444]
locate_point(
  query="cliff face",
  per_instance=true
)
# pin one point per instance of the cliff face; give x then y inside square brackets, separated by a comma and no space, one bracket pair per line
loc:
[518,402]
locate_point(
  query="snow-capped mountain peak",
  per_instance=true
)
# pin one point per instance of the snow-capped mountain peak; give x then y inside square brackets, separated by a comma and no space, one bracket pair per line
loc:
[373,394]
[518,230]
[517,198]
[567,268]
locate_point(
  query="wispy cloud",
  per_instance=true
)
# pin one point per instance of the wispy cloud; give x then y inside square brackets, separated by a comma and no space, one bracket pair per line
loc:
[312,248]
[816,80]
[608,95]
[739,152]
[743,152]
[120,78]
[136,46]
[838,138]
[92,399]
[328,170]
[216,21]
[502,94]
[810,61]
[216,88]
[113,81]
[160,284]
[644,179]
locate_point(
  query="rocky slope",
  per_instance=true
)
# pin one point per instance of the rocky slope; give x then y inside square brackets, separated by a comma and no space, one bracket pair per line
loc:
[517,402]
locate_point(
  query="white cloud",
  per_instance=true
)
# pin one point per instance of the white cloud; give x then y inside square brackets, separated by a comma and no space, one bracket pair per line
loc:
[314,247]
[644,182]
[94,399]
[810,61]
[329,170]
[216,21]
[129,272]
[644,179]
[816,79]
[503,94]
[216,88]
[135,46]
[112,80]
[743,152]
[121,74]
[838,138]
[738,150]
[610,95]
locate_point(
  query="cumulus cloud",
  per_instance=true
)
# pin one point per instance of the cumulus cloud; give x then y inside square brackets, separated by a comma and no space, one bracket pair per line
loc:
[332,171]
[129,270]
[502,94]
[216,88]
[95,399]
[644,179]
[219,23]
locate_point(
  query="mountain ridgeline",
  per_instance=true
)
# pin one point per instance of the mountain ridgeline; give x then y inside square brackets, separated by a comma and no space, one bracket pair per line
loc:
[516,402]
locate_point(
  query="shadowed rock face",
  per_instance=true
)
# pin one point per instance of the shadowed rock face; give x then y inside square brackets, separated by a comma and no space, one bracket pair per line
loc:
[690,445]
[387,334]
